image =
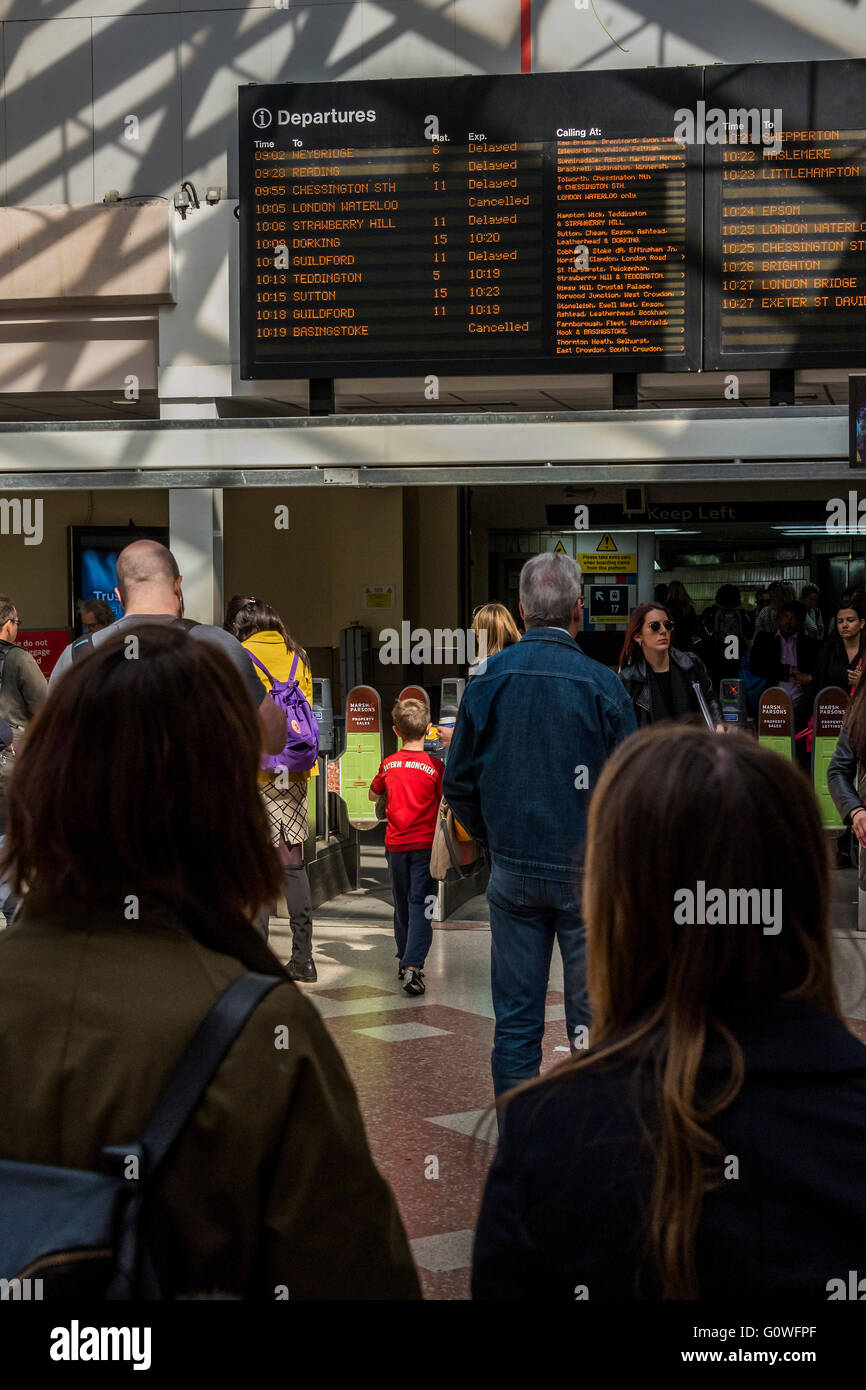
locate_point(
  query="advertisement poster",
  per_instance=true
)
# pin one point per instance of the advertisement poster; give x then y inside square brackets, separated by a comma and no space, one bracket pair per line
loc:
[776,722]
[360,761]
[828,715]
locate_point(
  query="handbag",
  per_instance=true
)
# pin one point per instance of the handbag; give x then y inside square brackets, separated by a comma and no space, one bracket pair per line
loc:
[453,847]
[86,1234]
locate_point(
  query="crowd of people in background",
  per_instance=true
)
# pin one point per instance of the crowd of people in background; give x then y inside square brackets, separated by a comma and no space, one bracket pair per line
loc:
[782,641]
[150,831]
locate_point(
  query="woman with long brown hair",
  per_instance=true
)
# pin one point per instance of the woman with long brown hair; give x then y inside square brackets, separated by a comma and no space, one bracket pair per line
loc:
[710,1140]
[139,845]
[840,660]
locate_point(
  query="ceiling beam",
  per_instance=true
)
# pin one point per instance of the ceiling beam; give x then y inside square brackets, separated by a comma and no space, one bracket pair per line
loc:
[375,451]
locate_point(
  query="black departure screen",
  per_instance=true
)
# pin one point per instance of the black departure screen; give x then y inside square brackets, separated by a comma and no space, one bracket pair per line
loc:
[785,224]
[537,223]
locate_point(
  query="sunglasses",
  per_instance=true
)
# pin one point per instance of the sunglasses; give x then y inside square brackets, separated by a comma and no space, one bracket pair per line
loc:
[656,626]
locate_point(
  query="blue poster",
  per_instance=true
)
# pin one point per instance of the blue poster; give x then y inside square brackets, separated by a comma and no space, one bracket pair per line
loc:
[99,576]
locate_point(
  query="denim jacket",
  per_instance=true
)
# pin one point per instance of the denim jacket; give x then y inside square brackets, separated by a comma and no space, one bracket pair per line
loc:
[532,734]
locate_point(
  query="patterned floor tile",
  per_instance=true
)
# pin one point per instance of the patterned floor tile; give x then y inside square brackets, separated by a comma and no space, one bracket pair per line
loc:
[355,992]
[477,1124]
[451,1250]
[402,1032]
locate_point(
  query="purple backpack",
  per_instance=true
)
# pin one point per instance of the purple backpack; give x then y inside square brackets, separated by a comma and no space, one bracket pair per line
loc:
[302,728]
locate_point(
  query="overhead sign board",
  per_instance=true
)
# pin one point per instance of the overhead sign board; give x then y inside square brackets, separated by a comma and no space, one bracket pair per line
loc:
[544,222]
[541,222]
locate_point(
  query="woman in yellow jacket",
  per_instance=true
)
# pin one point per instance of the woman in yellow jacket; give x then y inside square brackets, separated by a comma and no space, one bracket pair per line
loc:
[263,633]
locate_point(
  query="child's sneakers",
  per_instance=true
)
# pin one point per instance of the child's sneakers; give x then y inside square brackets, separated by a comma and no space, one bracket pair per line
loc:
[413,982]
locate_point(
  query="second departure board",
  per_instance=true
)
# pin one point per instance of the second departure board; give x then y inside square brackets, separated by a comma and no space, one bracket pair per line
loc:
[785,226]
[472,224]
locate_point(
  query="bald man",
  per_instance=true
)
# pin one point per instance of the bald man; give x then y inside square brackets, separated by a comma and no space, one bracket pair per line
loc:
[149,587]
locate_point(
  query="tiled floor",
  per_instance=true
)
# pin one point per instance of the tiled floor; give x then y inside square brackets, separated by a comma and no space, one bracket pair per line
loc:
[421,1069]
[421,1066]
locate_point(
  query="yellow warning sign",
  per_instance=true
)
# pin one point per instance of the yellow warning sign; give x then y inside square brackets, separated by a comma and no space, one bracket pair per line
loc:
[606,543]
[620,563]
[559,549]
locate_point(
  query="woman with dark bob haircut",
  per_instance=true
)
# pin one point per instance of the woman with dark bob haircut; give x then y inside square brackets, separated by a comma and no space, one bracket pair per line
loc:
[139,845]
[710,1142]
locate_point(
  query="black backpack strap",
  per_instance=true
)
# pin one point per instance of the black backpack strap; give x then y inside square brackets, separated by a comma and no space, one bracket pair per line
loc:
[82,646]
[209,1045]
[186,623]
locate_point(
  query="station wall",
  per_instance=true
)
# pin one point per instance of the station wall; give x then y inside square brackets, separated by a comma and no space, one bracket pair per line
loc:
[37,576]
[314,574]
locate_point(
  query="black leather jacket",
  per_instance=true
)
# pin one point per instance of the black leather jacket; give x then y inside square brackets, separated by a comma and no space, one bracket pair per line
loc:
[844,777]
[635,678]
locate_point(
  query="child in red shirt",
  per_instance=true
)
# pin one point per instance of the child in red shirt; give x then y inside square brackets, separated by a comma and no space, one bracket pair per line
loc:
[412,783]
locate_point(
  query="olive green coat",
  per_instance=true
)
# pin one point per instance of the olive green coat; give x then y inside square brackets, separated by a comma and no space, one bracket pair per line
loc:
[271,1186]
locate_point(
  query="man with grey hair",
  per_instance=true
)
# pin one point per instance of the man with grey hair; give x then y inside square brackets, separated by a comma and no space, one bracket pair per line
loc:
[532,735]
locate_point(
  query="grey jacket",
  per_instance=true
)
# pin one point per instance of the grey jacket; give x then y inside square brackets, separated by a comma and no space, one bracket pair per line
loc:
[23,688]
[843,776]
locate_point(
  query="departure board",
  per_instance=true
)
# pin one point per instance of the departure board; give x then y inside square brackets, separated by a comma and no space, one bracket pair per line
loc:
[472,224]
[785,225]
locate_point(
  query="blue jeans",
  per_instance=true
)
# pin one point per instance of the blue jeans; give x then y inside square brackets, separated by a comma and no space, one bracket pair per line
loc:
[6,899]
[413,887]
[526,915]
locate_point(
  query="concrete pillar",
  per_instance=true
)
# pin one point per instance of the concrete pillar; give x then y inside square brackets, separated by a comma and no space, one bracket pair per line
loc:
[195,519]
[646,553]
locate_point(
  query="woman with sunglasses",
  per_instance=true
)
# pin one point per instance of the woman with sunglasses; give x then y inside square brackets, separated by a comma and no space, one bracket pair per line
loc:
[658,677]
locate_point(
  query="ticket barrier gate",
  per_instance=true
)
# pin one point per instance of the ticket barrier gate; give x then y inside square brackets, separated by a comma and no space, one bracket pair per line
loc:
[828,717]
[323,709]
[732,698]
[776,722]
[776,731]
